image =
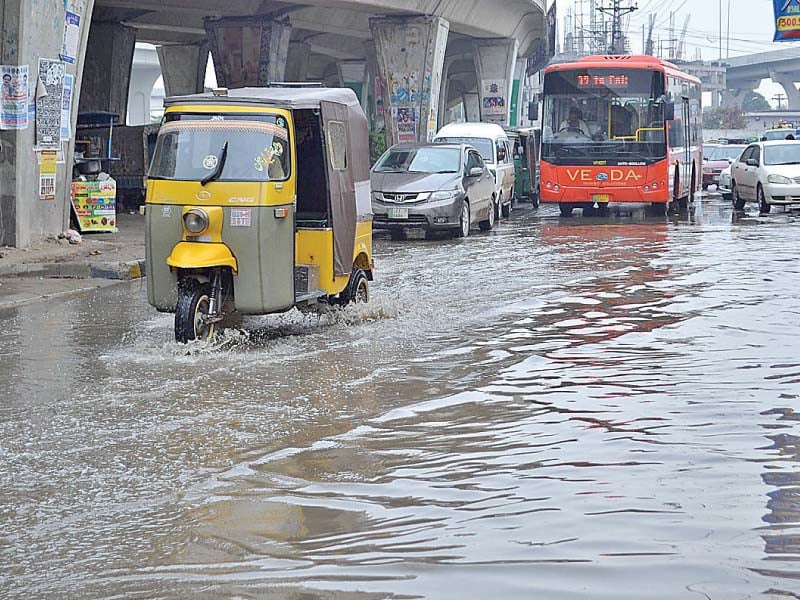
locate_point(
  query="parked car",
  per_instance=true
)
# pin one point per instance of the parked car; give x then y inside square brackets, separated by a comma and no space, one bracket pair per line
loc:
[767,173]
[724,183]
[495,149]
[780,133]
[434,187]
[718,159]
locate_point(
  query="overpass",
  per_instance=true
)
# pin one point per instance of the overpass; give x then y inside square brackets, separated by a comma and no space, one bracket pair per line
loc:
[744,73]
[429,54]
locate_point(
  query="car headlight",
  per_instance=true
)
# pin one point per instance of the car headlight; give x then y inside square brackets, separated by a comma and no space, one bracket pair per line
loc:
[377,196]
[195,221]
[779,179]
[448,195]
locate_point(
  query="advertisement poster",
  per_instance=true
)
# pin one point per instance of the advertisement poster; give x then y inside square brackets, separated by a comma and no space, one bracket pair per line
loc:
[48,164]
[494,100]
[49,99]
[14,98]
[787,20]
[95,205]
[72,36]
[66,107]
[406,120]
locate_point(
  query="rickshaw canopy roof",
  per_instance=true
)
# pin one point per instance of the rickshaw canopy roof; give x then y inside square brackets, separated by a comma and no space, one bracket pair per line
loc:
[277,97]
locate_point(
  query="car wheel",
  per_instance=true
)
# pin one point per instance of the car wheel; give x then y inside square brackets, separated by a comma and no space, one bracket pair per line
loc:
[507,208]
[488,223]
[738,201]
[763,205]
[463,221]
[499,208]
[565,208]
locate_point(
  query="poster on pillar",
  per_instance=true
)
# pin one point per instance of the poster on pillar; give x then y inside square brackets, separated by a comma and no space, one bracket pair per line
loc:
[406,122]
[495,106]
[49,102]
[14,98]
[72,37]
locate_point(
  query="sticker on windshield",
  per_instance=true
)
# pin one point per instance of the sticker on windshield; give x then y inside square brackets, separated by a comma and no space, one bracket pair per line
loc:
[210,161]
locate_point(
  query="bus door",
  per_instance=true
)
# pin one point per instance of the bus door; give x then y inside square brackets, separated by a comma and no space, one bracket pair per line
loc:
[686,163]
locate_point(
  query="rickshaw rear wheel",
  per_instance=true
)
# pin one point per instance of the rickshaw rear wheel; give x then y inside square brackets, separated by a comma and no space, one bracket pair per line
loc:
[194,302]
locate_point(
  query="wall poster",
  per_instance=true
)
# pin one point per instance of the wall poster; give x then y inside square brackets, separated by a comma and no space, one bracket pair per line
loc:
[49,102]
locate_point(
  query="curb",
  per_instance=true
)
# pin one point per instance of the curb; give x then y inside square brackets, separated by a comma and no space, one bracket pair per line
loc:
[134,269]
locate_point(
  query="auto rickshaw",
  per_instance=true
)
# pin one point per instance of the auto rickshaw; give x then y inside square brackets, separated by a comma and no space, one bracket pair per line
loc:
[525,142]
[258,200]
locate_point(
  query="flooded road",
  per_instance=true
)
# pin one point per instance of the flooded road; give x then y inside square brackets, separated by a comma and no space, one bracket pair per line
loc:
[562,408]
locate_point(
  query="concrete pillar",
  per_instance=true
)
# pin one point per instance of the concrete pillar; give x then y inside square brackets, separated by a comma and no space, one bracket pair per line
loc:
[144,74]
[250,51]
[353,74]
[472,110]
[183,68]
[731,97]
[518,110]
[792,94]
[494,65]
[445,90]
[30,30]
[411,57]
[297,61]
[107,74]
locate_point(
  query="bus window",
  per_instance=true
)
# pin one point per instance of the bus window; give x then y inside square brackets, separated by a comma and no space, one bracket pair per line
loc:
[618,109]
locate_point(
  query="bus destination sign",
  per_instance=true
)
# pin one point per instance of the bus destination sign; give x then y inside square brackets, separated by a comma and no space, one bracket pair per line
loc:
[607,81]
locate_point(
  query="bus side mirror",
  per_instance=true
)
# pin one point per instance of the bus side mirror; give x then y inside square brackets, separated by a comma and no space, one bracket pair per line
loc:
[533,110]
[669,111]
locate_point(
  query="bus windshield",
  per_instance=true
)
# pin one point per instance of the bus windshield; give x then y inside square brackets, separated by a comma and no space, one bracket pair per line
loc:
[614,115]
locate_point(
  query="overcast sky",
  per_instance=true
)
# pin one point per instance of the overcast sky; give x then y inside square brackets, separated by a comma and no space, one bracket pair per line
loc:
[751,27]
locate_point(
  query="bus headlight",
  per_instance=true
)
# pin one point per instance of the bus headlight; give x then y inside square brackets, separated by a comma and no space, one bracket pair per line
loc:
[195,221]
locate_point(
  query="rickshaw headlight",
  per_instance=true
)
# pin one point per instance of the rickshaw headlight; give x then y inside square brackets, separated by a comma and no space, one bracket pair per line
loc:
[195,221]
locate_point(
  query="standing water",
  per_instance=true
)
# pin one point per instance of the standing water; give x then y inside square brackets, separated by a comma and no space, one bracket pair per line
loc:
[562,408]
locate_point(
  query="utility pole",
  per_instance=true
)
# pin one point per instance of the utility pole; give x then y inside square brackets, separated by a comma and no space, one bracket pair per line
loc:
[648,48]
[617,12]
[779,98]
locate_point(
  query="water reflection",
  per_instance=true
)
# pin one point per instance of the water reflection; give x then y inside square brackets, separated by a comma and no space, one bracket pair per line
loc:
[556,409]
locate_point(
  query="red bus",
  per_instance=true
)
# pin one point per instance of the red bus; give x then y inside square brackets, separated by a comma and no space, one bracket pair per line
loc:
[620,129]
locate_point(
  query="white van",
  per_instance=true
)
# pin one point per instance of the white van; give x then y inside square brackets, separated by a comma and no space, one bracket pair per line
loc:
[493,144]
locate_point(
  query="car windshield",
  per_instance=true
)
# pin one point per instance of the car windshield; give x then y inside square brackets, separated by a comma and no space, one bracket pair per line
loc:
[726,152]
[782,154]
[595,114]
[484,145]
[190,148]
[420,160]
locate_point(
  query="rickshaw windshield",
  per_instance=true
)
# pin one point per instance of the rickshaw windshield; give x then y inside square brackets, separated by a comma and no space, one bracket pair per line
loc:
[191,147]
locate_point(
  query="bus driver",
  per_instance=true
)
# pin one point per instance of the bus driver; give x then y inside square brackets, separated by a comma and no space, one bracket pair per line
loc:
[575,122]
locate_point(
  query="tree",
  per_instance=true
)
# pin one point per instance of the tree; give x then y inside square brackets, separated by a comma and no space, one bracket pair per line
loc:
[724,117]
[754,102]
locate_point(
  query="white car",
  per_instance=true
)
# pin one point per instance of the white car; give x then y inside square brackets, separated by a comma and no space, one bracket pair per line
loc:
[724,183]
[767,173]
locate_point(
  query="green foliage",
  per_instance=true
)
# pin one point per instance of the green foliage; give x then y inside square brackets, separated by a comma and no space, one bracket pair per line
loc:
[377,145]
[724,117]
[755,102]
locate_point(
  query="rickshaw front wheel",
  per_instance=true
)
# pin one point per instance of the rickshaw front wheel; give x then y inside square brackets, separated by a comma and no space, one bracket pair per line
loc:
[357,289]
[192,312]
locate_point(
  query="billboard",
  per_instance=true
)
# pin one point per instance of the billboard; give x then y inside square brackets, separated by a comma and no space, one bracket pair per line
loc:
[787,20]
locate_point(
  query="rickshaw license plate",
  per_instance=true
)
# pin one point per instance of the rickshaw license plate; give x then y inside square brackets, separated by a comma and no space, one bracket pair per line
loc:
[398,213]
[601,197]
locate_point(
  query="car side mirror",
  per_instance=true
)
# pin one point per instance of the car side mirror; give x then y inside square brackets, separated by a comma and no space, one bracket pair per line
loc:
[669,111]
[752,162]
[476,172]
[533,110]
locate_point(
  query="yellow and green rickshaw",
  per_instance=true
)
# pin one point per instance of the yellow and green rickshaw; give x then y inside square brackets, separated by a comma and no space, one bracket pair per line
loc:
[258,201]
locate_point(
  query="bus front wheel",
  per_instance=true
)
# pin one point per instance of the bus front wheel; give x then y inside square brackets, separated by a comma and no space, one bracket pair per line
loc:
[565,209]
